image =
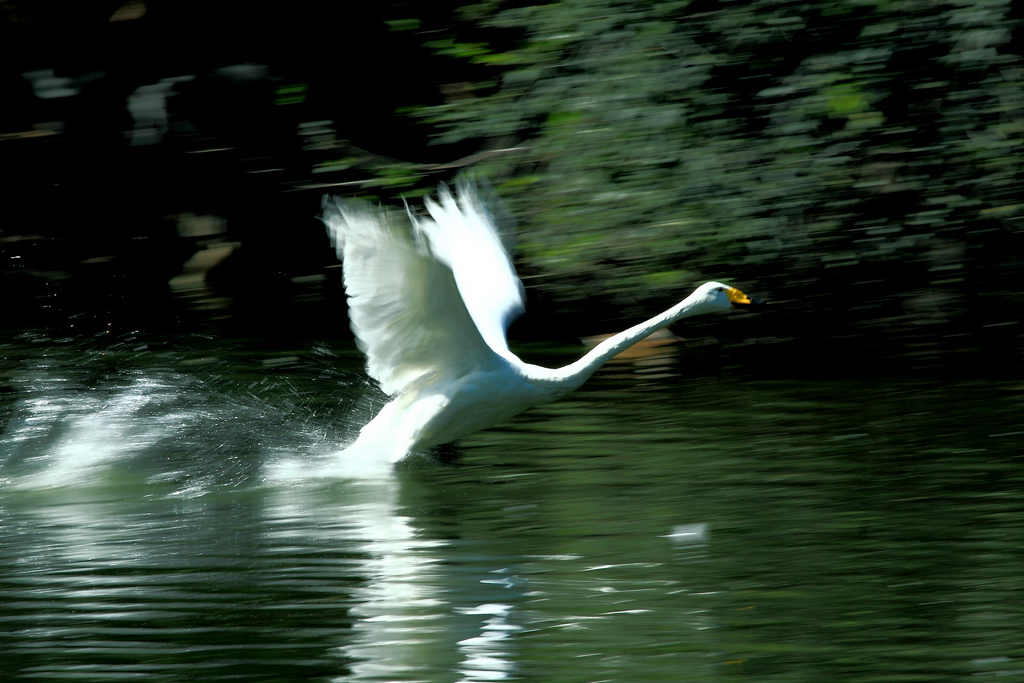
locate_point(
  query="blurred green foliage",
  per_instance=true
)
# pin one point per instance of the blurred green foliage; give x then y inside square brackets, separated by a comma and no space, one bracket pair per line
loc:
[856,161]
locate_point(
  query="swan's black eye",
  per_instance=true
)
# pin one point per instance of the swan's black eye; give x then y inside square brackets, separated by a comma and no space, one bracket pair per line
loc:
[719,289]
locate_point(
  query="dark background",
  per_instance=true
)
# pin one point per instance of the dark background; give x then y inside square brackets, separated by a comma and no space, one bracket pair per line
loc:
[856,163]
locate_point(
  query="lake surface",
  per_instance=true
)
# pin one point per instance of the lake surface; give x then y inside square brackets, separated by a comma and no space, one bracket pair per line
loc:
[164,516]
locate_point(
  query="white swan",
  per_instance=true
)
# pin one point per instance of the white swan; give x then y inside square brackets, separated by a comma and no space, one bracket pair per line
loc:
[429,302]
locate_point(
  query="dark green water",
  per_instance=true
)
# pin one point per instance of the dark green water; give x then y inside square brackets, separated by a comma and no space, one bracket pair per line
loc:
[160,519]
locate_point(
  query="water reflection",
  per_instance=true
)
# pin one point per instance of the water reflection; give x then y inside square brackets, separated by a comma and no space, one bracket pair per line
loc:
[185,517]
[138,547]
[114,588]
[404,616]
[333,580]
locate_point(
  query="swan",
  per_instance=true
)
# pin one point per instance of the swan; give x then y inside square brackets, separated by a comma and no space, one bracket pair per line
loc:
[430,298]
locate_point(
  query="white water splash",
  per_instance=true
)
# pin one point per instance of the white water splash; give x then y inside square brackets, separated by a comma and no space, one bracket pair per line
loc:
[68,437]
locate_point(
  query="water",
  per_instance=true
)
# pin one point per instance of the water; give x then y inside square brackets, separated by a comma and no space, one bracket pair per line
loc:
[162,517]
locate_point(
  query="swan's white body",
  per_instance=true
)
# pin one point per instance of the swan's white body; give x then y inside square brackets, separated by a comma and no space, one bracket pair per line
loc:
[430,299]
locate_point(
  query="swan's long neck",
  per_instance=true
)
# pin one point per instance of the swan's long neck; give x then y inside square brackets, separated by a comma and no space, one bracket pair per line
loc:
[575,374]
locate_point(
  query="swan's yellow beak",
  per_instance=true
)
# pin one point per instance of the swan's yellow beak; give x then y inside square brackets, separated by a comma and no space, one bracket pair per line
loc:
[738,298]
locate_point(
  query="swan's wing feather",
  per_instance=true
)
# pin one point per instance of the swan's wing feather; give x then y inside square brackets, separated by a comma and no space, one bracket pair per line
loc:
[463,235]
[404,305]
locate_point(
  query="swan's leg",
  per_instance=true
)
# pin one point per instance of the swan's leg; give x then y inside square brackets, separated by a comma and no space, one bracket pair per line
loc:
[417,424]
[402,426]
[382,436]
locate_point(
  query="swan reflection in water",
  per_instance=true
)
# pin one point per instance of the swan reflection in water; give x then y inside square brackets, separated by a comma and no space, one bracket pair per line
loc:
[410,615]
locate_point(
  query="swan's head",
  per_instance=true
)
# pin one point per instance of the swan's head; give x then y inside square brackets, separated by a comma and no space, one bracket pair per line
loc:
[712,297]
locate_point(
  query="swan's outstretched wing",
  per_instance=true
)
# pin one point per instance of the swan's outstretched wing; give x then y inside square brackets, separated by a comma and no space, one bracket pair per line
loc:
[463,235]
[405,308]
